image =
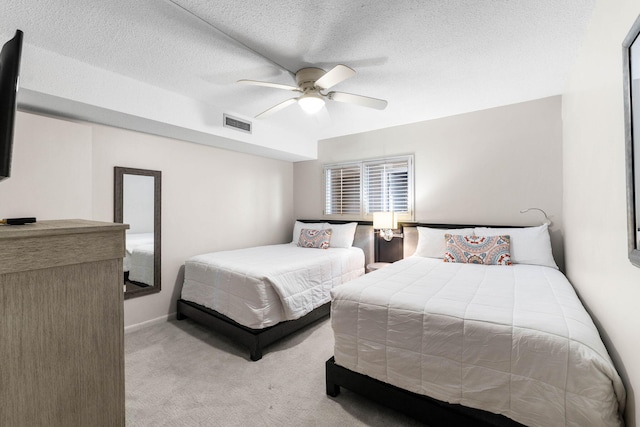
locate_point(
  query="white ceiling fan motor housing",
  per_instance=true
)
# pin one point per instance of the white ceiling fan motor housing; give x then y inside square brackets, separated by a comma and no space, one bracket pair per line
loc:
[306,78]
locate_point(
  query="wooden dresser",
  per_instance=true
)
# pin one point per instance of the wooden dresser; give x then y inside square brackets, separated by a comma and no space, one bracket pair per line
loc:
[61,324]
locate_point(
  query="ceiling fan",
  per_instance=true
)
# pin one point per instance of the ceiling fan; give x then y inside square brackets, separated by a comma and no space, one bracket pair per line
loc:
[312,84]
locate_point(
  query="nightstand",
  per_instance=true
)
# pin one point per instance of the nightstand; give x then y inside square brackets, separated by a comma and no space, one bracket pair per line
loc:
[376,266]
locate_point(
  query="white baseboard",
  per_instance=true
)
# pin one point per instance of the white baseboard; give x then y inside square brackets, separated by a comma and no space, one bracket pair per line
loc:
[146,324]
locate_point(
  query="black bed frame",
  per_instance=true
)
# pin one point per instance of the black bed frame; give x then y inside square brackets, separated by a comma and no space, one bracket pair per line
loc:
[423,408]
[254,339]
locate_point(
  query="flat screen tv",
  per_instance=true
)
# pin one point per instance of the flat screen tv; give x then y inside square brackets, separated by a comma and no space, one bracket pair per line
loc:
[9,71]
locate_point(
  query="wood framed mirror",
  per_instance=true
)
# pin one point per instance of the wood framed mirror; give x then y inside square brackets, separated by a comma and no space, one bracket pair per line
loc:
[631,85]
[137,202]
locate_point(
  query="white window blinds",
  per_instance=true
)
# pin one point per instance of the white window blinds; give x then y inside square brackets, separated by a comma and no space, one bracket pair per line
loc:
[386,187]
[342,190]
[359,189]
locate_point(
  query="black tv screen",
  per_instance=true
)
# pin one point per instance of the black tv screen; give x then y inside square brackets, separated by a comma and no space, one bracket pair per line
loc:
[9,71]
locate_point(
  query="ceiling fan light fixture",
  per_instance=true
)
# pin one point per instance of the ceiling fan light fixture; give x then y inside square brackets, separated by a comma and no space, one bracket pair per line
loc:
[311,103]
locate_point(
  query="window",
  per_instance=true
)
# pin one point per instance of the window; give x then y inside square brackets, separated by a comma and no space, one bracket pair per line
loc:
[342,185]
[358,189]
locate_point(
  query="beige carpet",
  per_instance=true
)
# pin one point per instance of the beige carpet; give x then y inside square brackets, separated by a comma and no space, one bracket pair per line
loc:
[179,373]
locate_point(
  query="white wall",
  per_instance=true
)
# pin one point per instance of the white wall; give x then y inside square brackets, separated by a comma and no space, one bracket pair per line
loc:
[594,191]
[212,199]
[477,168]
[50,172]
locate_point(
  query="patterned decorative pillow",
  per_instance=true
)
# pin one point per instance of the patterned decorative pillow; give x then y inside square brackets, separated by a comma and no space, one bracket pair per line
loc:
[488,250]
[315,238]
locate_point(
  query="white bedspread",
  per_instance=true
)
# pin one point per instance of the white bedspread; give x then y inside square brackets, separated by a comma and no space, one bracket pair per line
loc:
[141,264]
[261,286]
[510,340]
[132,241]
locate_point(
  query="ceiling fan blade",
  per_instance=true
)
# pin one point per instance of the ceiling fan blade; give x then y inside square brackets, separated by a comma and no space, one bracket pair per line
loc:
[337,74]
[276,108]
[365,101]
[268,84]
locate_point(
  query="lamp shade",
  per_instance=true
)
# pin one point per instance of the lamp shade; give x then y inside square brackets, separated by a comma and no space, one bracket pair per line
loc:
[384,220]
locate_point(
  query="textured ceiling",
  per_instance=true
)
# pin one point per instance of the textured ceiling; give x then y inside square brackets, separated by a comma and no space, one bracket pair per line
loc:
[427,58]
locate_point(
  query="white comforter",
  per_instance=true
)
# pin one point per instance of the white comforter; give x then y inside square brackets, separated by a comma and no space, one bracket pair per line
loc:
[133,241]
[141,263]
[261,286]
[513,340]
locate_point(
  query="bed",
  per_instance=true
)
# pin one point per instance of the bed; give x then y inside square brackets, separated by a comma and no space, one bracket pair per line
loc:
[258,295]
[138,262]
[453,343]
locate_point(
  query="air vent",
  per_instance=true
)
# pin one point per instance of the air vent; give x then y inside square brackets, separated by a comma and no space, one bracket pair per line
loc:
[235,123]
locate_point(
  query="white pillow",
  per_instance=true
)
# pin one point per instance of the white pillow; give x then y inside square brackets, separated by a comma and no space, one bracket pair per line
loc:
[529,245]
[342,234]
[298,226]
[431,240]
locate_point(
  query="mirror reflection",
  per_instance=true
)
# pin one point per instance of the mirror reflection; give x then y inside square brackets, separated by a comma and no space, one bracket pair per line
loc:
[137,203]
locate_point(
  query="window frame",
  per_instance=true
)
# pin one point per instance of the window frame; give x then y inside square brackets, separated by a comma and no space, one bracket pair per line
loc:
[363,164]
